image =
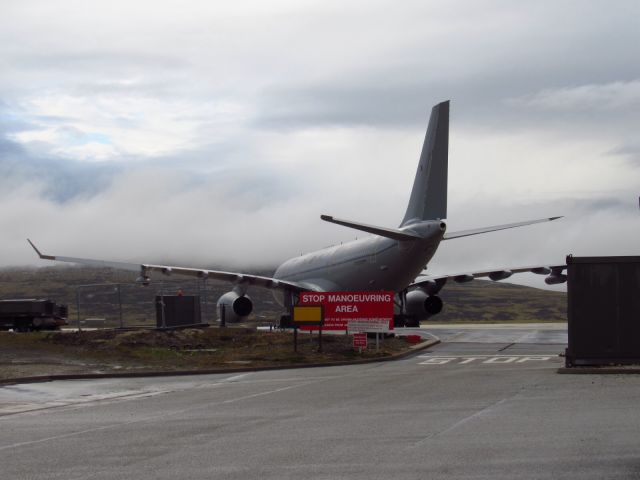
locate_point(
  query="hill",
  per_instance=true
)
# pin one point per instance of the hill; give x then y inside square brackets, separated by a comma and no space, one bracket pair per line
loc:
[487,301]
[94,291]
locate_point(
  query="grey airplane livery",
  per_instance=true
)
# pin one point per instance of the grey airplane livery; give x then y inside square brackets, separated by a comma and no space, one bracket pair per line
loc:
[391,259]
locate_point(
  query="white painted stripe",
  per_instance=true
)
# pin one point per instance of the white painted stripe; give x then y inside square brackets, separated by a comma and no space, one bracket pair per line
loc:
[154,417]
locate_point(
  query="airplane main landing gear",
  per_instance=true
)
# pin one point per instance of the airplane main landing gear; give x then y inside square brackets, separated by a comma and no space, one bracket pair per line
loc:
[401,320]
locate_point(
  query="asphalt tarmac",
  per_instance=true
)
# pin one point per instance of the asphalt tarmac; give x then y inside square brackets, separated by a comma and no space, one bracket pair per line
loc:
[487,403]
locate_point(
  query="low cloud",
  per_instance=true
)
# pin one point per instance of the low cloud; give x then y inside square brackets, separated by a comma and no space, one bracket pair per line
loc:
[629,152]
[592,97]
[57,180]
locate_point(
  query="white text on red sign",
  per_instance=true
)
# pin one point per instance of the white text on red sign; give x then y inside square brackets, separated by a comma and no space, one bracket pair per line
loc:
[359,340]
[343,307]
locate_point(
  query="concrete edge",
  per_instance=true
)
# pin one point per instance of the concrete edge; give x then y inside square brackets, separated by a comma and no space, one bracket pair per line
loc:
[599,370]
[180,373]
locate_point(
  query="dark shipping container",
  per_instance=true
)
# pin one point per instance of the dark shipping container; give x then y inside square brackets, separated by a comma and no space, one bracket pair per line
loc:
[179,311]
[603,310]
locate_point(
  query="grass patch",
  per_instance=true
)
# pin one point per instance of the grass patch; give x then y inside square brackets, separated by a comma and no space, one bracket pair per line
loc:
[193,349]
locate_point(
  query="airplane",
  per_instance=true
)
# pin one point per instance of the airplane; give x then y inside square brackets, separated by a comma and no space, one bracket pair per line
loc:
[391,259]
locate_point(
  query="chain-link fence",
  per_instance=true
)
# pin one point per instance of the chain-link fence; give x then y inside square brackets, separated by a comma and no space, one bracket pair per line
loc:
[127,305]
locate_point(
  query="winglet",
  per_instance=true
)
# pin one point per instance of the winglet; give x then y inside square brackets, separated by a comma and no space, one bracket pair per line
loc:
[44,257]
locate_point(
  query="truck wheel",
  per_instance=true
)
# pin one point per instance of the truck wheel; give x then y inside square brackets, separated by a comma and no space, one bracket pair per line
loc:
[22,326]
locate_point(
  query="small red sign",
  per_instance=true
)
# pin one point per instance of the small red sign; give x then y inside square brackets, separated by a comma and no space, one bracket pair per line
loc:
[340,307]
[359,340]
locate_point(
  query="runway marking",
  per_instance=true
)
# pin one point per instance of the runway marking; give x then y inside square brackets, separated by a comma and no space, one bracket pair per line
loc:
[461,422]
[154,417]
[19,408]
[482,359]
[475,415]
[235,378]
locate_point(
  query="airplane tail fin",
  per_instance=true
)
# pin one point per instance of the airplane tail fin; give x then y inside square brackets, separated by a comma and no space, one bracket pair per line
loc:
[428,199]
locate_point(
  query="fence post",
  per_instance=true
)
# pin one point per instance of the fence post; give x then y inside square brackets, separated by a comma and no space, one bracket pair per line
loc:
[120,306]
[164,325]
[78,307]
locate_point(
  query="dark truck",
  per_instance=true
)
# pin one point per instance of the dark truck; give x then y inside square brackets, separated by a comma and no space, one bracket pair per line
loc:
[25,315]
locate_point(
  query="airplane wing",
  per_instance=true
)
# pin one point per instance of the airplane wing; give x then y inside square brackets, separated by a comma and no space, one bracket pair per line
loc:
[433,283]
[476,231]
[145,268]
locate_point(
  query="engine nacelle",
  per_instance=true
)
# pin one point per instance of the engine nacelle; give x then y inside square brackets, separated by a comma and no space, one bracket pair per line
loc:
[555,279]
[500,275]
[420,305]
[236,307]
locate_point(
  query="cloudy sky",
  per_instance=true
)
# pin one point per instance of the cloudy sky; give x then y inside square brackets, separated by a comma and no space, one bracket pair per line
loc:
[215,133]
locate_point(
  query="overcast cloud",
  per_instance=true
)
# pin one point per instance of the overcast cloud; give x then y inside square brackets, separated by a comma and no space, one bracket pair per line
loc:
[216,133]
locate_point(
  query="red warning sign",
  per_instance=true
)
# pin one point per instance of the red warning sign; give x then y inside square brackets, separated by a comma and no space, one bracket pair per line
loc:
[359,340]
[341,307]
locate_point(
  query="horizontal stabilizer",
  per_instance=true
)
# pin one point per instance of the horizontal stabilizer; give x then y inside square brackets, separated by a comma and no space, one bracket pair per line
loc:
[476,231]
[382,231]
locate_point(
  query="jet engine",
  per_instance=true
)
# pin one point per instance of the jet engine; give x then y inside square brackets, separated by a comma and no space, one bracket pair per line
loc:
[420,305]
[556,276]
[236,307]
[555,279]
[500,275]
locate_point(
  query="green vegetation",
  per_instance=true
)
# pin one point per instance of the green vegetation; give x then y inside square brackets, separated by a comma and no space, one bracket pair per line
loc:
[493,302]
[29,354]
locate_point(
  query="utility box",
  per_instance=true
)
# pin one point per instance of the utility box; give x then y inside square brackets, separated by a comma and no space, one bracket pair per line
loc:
[603,310]
[174,311]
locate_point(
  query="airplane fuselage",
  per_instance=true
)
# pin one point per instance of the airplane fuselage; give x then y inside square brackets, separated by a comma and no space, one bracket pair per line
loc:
[369,264]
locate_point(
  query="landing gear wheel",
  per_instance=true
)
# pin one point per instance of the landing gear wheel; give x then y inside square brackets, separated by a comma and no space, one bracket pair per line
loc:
[22,326]
[399,320]
[412,322]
